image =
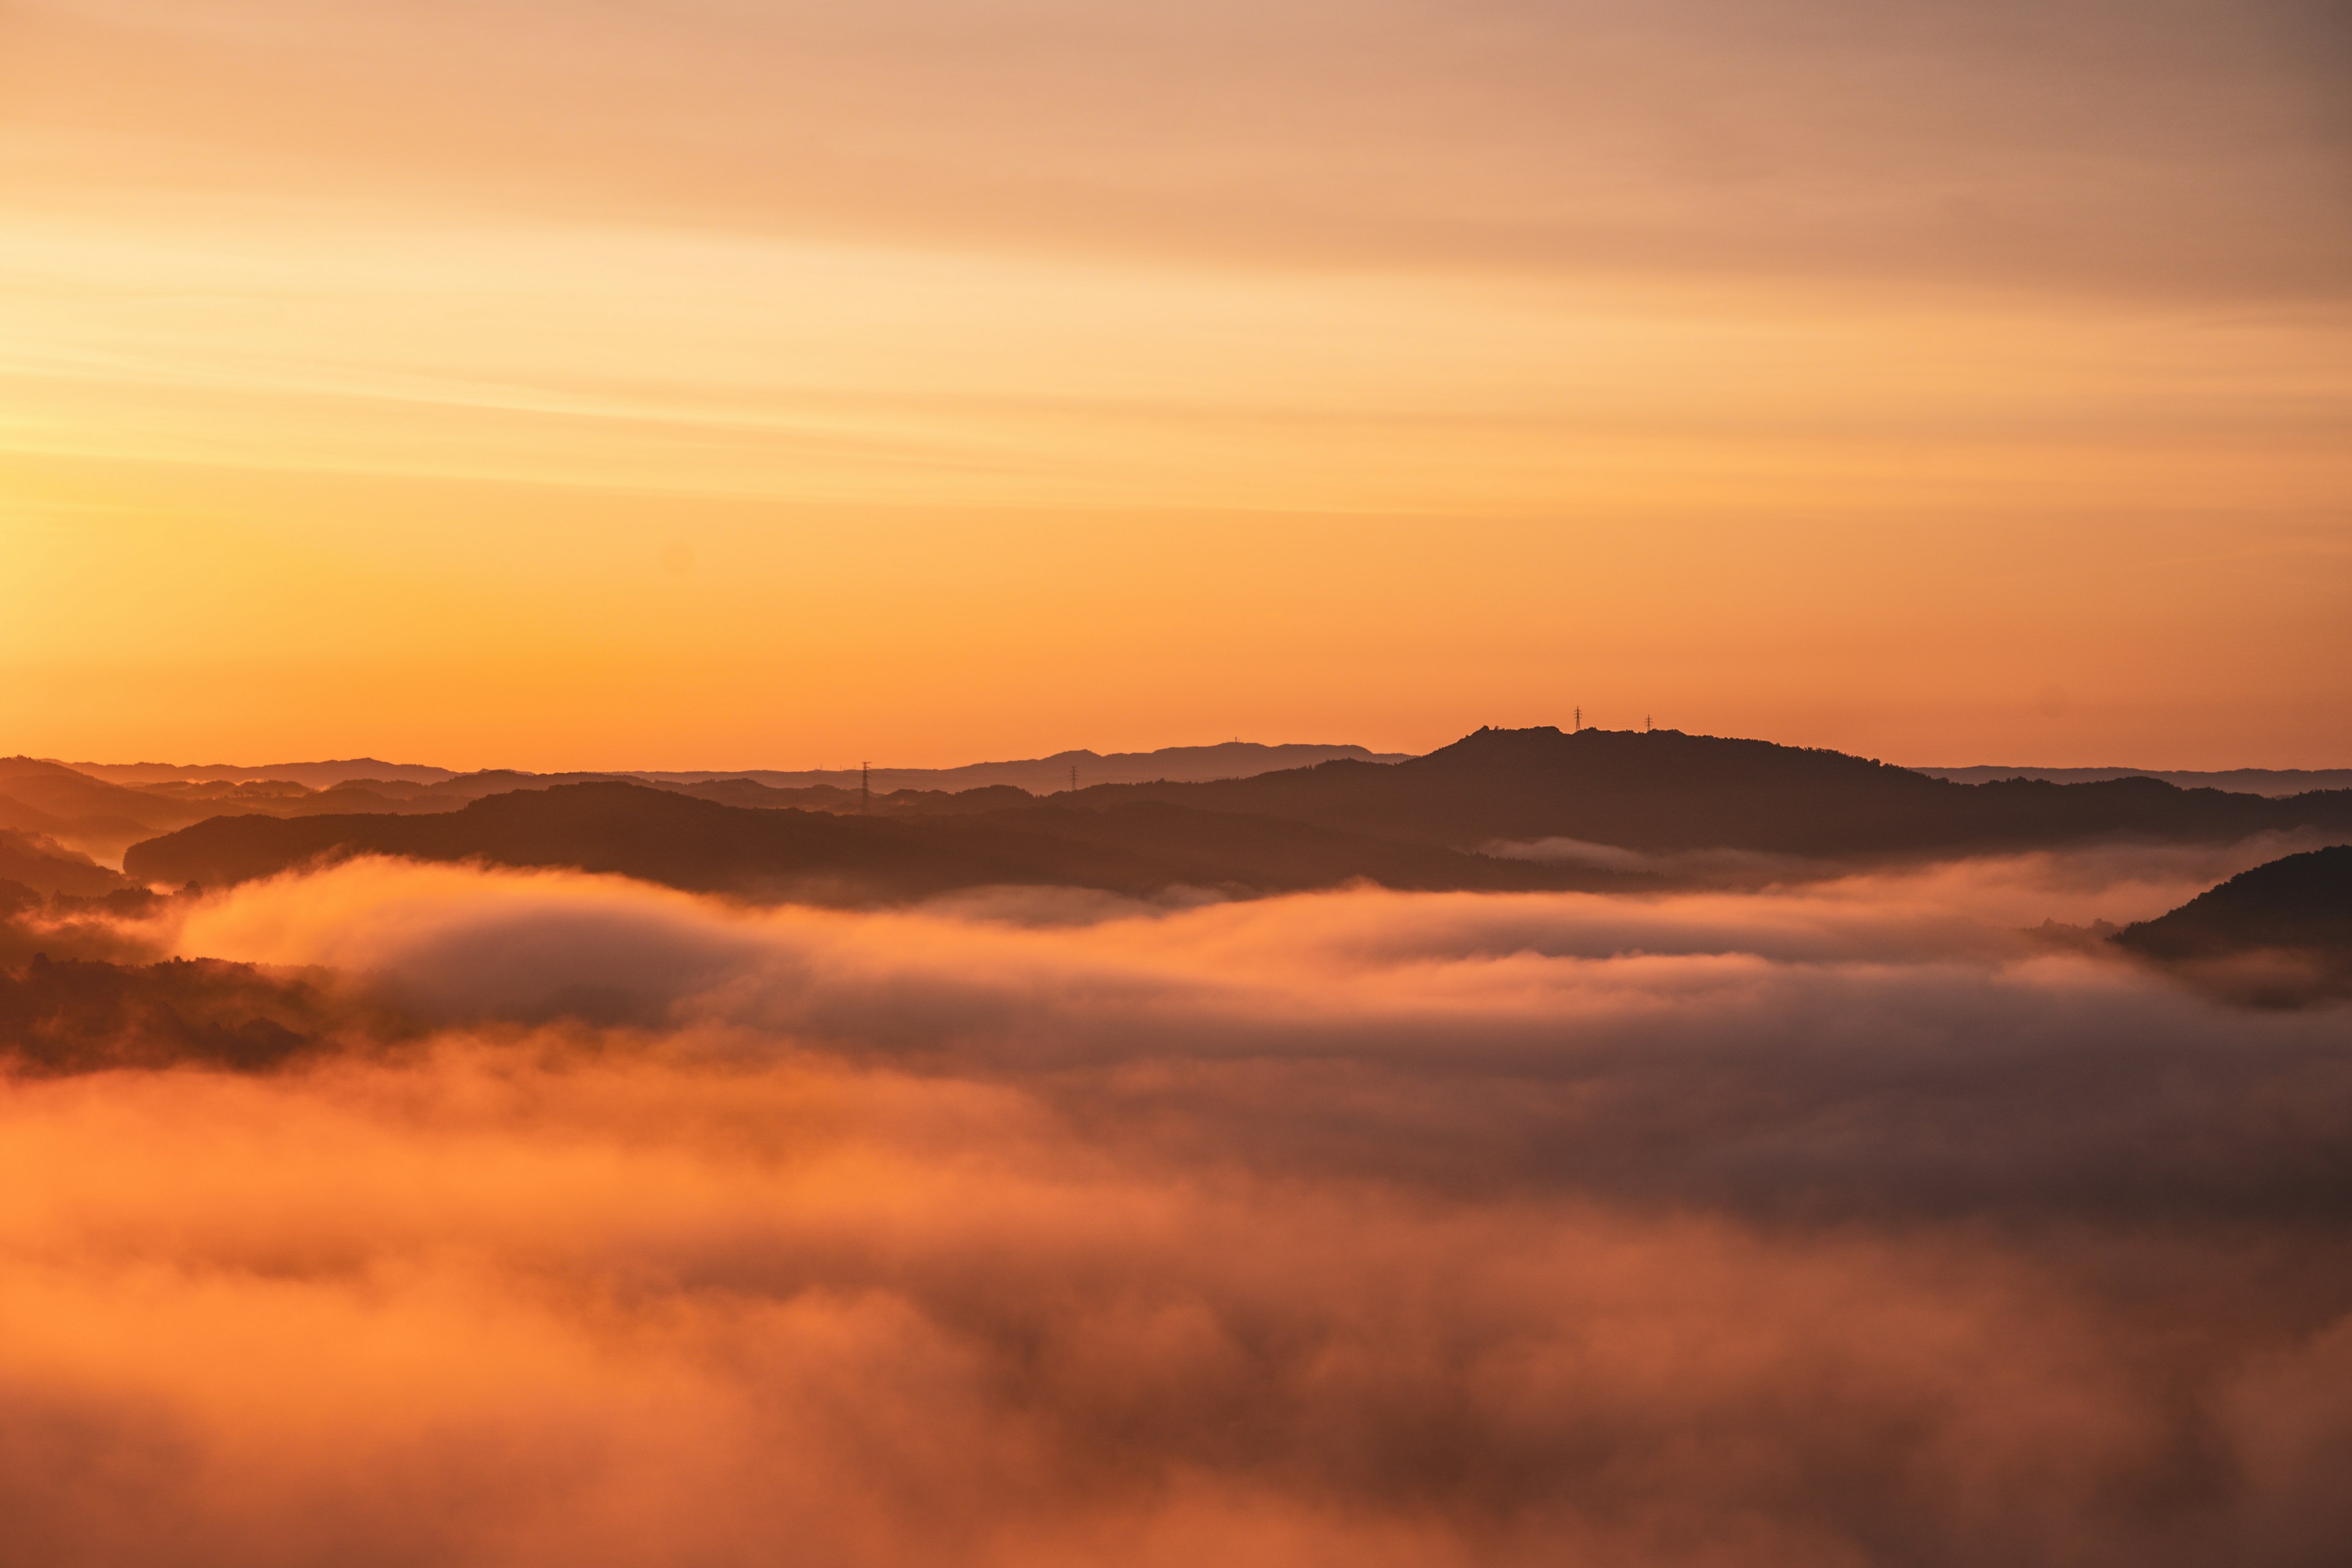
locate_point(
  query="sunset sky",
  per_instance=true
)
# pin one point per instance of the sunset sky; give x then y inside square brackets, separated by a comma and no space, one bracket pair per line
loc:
[551,383]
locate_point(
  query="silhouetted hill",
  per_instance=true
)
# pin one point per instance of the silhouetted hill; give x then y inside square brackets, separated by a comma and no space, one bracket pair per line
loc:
[1303,828]
[312,776]
[2280,934]
[2248,781]
[88,813]
[103,818]
[45,866]
[2301,901]
[83,1015]
[828,797]
[1227,759]
[1048,775]
[1668,791]
[830,788]
[213,790]
[660,836]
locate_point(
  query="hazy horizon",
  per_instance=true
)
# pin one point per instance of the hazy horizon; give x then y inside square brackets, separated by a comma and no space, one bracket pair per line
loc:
[1002,757]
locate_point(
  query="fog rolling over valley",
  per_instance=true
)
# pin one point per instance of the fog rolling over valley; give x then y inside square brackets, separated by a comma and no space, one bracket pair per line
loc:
[1593,1147]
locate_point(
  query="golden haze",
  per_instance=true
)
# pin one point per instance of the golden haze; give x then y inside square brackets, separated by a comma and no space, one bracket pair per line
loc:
[780,388]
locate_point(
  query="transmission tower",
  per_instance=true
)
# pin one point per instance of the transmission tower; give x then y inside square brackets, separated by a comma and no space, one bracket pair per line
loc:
[864,785]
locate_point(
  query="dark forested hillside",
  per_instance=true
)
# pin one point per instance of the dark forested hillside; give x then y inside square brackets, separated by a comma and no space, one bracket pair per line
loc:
[83,1016]
[1665,791]
[45,866]
[1416,824]
[2300,901]
[659,836]
[2280,933]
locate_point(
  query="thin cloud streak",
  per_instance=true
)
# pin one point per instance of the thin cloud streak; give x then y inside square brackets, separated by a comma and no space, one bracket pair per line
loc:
[2187,148]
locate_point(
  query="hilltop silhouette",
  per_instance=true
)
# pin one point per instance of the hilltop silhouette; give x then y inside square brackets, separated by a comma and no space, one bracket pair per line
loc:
[310,775]
[1665,791]
[1423,823]
[1137,848]
[1639,791]
[56,801]
[2281,933]
[1040,775]
[103,808]
[84,1016]
[41,864]
[1048,775]
[2247,781]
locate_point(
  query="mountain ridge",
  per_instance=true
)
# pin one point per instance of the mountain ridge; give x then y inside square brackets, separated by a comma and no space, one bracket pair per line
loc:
[2277,935]
[1477,814]
[774,854]
[2238,781]
[1042,775]
[1664,790]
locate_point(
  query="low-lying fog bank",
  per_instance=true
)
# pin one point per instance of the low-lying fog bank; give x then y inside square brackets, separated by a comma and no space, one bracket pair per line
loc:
[588,1223]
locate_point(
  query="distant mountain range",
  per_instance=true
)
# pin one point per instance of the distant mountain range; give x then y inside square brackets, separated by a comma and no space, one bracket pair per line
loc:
[102,809]
[1665,791]
[51,801]
[1137,848]
[310,775]
[1499,809]
[41,864]
[1038,776]
[2249,780]
[1047,775]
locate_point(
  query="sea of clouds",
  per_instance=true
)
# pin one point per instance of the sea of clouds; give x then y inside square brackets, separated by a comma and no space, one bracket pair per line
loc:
[1838,1223]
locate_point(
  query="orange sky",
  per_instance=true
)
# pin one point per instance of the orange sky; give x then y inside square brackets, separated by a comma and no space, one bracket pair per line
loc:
[551,383]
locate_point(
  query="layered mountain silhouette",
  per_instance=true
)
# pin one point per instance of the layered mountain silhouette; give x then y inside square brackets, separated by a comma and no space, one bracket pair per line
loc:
[103,807]
[2250,781]
[2281,933]
[1040,775]
[100,816]
[1048,775]
[1489,812]
[310,775]
[1136,847]
[54,802]
[1646,792]
[1667,791]
[41,864]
